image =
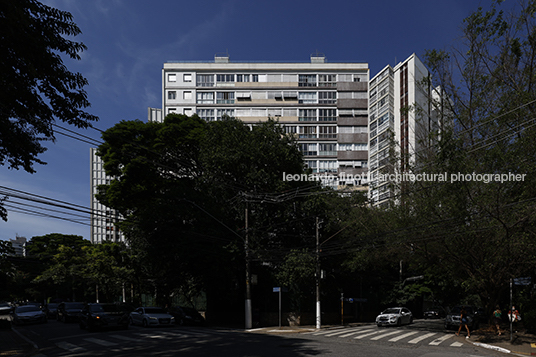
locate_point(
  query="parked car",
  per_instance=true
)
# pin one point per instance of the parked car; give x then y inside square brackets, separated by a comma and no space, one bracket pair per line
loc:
[453,318]
[69,311]
[95,316]
[151,316]
[5,308]
[27,314]
[51,310]
[394,316]
[435,312]
[186,315]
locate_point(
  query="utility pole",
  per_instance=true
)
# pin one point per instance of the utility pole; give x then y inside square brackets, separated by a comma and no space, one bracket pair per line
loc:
[249,323]
[318,310]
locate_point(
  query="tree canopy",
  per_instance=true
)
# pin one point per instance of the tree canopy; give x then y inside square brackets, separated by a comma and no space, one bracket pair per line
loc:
[36,88]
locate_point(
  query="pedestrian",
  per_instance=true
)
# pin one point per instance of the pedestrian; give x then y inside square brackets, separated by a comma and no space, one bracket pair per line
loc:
[514,316]
[463,322]
[497,318]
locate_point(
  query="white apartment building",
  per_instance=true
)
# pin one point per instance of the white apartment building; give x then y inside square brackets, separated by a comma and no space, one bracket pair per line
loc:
[325,105]
[402,115]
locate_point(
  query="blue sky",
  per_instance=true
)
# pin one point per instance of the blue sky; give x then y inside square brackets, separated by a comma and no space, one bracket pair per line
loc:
[129,40]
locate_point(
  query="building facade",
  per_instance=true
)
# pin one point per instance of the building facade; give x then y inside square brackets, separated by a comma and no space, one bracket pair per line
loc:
[325,105]
[402,118]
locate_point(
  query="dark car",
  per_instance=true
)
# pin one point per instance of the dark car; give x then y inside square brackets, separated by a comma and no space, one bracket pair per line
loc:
[99,316]
[69,311]
[27,314]
[435,312]
[186,315]
[51,310]
[453,317]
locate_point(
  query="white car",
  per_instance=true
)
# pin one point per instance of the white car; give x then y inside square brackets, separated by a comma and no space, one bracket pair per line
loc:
[394,316]
[151,316]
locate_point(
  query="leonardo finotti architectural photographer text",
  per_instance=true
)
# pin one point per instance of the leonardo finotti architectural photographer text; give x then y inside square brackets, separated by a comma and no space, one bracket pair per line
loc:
[409,177]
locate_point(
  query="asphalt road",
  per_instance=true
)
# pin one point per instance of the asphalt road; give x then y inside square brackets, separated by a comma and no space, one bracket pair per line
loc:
[66,339]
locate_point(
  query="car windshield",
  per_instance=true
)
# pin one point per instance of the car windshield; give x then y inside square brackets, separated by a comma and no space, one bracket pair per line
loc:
[155,310]
[27,308]
[74,305]
[392,311]
[104,308]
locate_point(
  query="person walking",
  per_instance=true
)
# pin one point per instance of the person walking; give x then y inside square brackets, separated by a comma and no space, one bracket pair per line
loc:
[497,318]
[463,322]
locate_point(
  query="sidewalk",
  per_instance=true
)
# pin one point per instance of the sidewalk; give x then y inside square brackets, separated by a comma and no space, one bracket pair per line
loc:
[523,344]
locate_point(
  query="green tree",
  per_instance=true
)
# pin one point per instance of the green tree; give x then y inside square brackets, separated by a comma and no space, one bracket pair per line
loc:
[36,88]
[480,229]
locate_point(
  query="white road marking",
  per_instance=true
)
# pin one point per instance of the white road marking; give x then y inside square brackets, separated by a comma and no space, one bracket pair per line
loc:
[98,341]
[420,338]
[366,335]
[385,335]
[398,338]
[70,347]
[439,340]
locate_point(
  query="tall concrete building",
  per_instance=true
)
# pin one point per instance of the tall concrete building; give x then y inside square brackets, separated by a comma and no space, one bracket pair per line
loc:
[402,116]
[325,105]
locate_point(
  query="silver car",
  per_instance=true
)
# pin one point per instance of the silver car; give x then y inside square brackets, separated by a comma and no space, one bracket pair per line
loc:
[28,314]
[151,316]
[394,316]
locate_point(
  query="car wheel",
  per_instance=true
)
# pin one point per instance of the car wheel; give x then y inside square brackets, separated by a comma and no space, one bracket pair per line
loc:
[144,323]
[411,320]
[130,321]
[398,322]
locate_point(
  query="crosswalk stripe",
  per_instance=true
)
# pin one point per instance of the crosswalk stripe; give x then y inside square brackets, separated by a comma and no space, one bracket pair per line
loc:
[346,330]
[323,332]
[420,338]
[456,344]
[353,333]
[100,342]
[124,338]
[398,338]
[385,335]
[70,347]
[366,335]
[439,340]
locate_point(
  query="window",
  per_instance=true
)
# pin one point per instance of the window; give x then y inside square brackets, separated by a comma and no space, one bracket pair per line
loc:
[225,78]
[327,97]
[308,149]
[307,80]
[327,115]
[327,132]
[290,129]
[172,95]
[172,110]
[172,78]
[205,80]
[205,97]
[225,97]
[307,132]
[187,78]
[311,164]
[307,97]
[254,77]
[327,80]
[327,149]
[187,95]
[206,114]
[242,78]
[307,115]
[327,166]
[224,112]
